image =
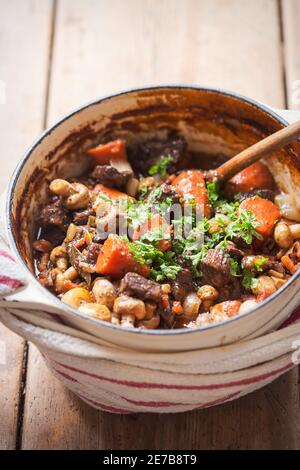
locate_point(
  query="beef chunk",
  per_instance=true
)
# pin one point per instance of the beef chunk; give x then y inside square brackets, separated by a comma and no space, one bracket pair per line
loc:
[166,191]
[82,217]
[230,291]
[216,268]
[216,272]
[54,214]
[233,251]
[93,251]
[53,234]
[54,220]
[110,176]
[135,285]
[264,193]
[148,153]
[182,285]
[167,318]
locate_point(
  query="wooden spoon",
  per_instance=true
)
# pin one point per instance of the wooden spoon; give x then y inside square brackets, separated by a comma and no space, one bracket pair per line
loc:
[250,155]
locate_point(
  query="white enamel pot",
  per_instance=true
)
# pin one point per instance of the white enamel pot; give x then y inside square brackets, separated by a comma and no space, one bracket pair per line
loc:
[217,124]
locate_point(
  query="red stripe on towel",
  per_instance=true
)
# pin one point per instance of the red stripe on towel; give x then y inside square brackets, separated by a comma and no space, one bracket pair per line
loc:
[129,383]
[7,255]
[292,319]
[10,282]
[103,407]
[66,376]
[166,404]
[162,404]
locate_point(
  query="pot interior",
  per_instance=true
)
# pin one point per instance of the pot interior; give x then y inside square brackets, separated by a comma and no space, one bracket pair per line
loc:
[216,125]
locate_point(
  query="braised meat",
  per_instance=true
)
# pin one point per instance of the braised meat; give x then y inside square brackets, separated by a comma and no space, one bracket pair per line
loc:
[82,217]
[93,251]
[54,214]
[216,268]
[133,284]
[54,220]
[233,251]
[110,176]
[148,153]
[166,192]
[183,284]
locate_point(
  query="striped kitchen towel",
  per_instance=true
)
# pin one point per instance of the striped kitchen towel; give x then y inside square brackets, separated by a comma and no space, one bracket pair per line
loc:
[121,380]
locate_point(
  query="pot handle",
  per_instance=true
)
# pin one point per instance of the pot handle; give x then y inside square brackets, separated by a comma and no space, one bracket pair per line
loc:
[16,287]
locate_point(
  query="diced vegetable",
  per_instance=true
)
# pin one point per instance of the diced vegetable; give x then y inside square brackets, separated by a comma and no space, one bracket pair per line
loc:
[229,308]
[191,187]
[110,193]
[115,259]
[265,212]
[256,176]
[104,153]
[288,264]
[158,224]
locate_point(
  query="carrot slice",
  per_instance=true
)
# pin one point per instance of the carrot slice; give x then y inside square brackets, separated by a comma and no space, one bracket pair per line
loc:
[265,212]
[116,260]
[229,308]
[288,264]
[256,176]
[155,222]
[177,308]
[104,153]
[109,192]
[191,185]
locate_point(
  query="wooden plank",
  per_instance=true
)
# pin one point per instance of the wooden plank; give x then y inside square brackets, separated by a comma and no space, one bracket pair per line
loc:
[291,34]
[101,47]
[23,73]
[11,360]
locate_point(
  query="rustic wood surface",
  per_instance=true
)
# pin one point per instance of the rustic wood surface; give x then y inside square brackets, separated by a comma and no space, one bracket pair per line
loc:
[23,77]
[55,55]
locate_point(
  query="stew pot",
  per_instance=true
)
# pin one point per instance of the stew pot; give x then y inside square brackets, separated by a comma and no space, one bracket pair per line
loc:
[217,125]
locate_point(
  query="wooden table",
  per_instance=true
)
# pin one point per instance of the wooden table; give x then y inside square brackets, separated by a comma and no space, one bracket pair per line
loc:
[55,55]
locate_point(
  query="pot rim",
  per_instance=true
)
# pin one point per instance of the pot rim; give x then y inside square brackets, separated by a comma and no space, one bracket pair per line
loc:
[57,302]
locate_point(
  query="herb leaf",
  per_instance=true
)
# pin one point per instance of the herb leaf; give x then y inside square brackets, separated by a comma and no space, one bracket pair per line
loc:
[249,281]
[163,264]
[160,168]
[260,262]
[234,267]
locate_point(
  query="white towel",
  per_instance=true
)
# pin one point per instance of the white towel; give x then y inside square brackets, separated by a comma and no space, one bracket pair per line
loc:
[120,380]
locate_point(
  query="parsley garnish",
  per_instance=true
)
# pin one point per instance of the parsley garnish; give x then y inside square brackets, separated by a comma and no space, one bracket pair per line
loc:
[249,281]
[163,264]
[234,267]
[260,262]
[160,168]
[213,193]
[244,227]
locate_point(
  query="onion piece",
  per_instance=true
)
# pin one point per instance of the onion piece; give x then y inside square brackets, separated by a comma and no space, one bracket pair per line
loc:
[191,305]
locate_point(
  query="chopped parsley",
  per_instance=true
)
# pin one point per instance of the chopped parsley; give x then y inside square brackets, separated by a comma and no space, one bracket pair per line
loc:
[160,168]
[213,193]
[260,262]
[234,267]
[244,227]
[249,281]
[163,264]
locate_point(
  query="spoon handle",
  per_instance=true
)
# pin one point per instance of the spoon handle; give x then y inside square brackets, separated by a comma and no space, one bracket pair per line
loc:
[262,148]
